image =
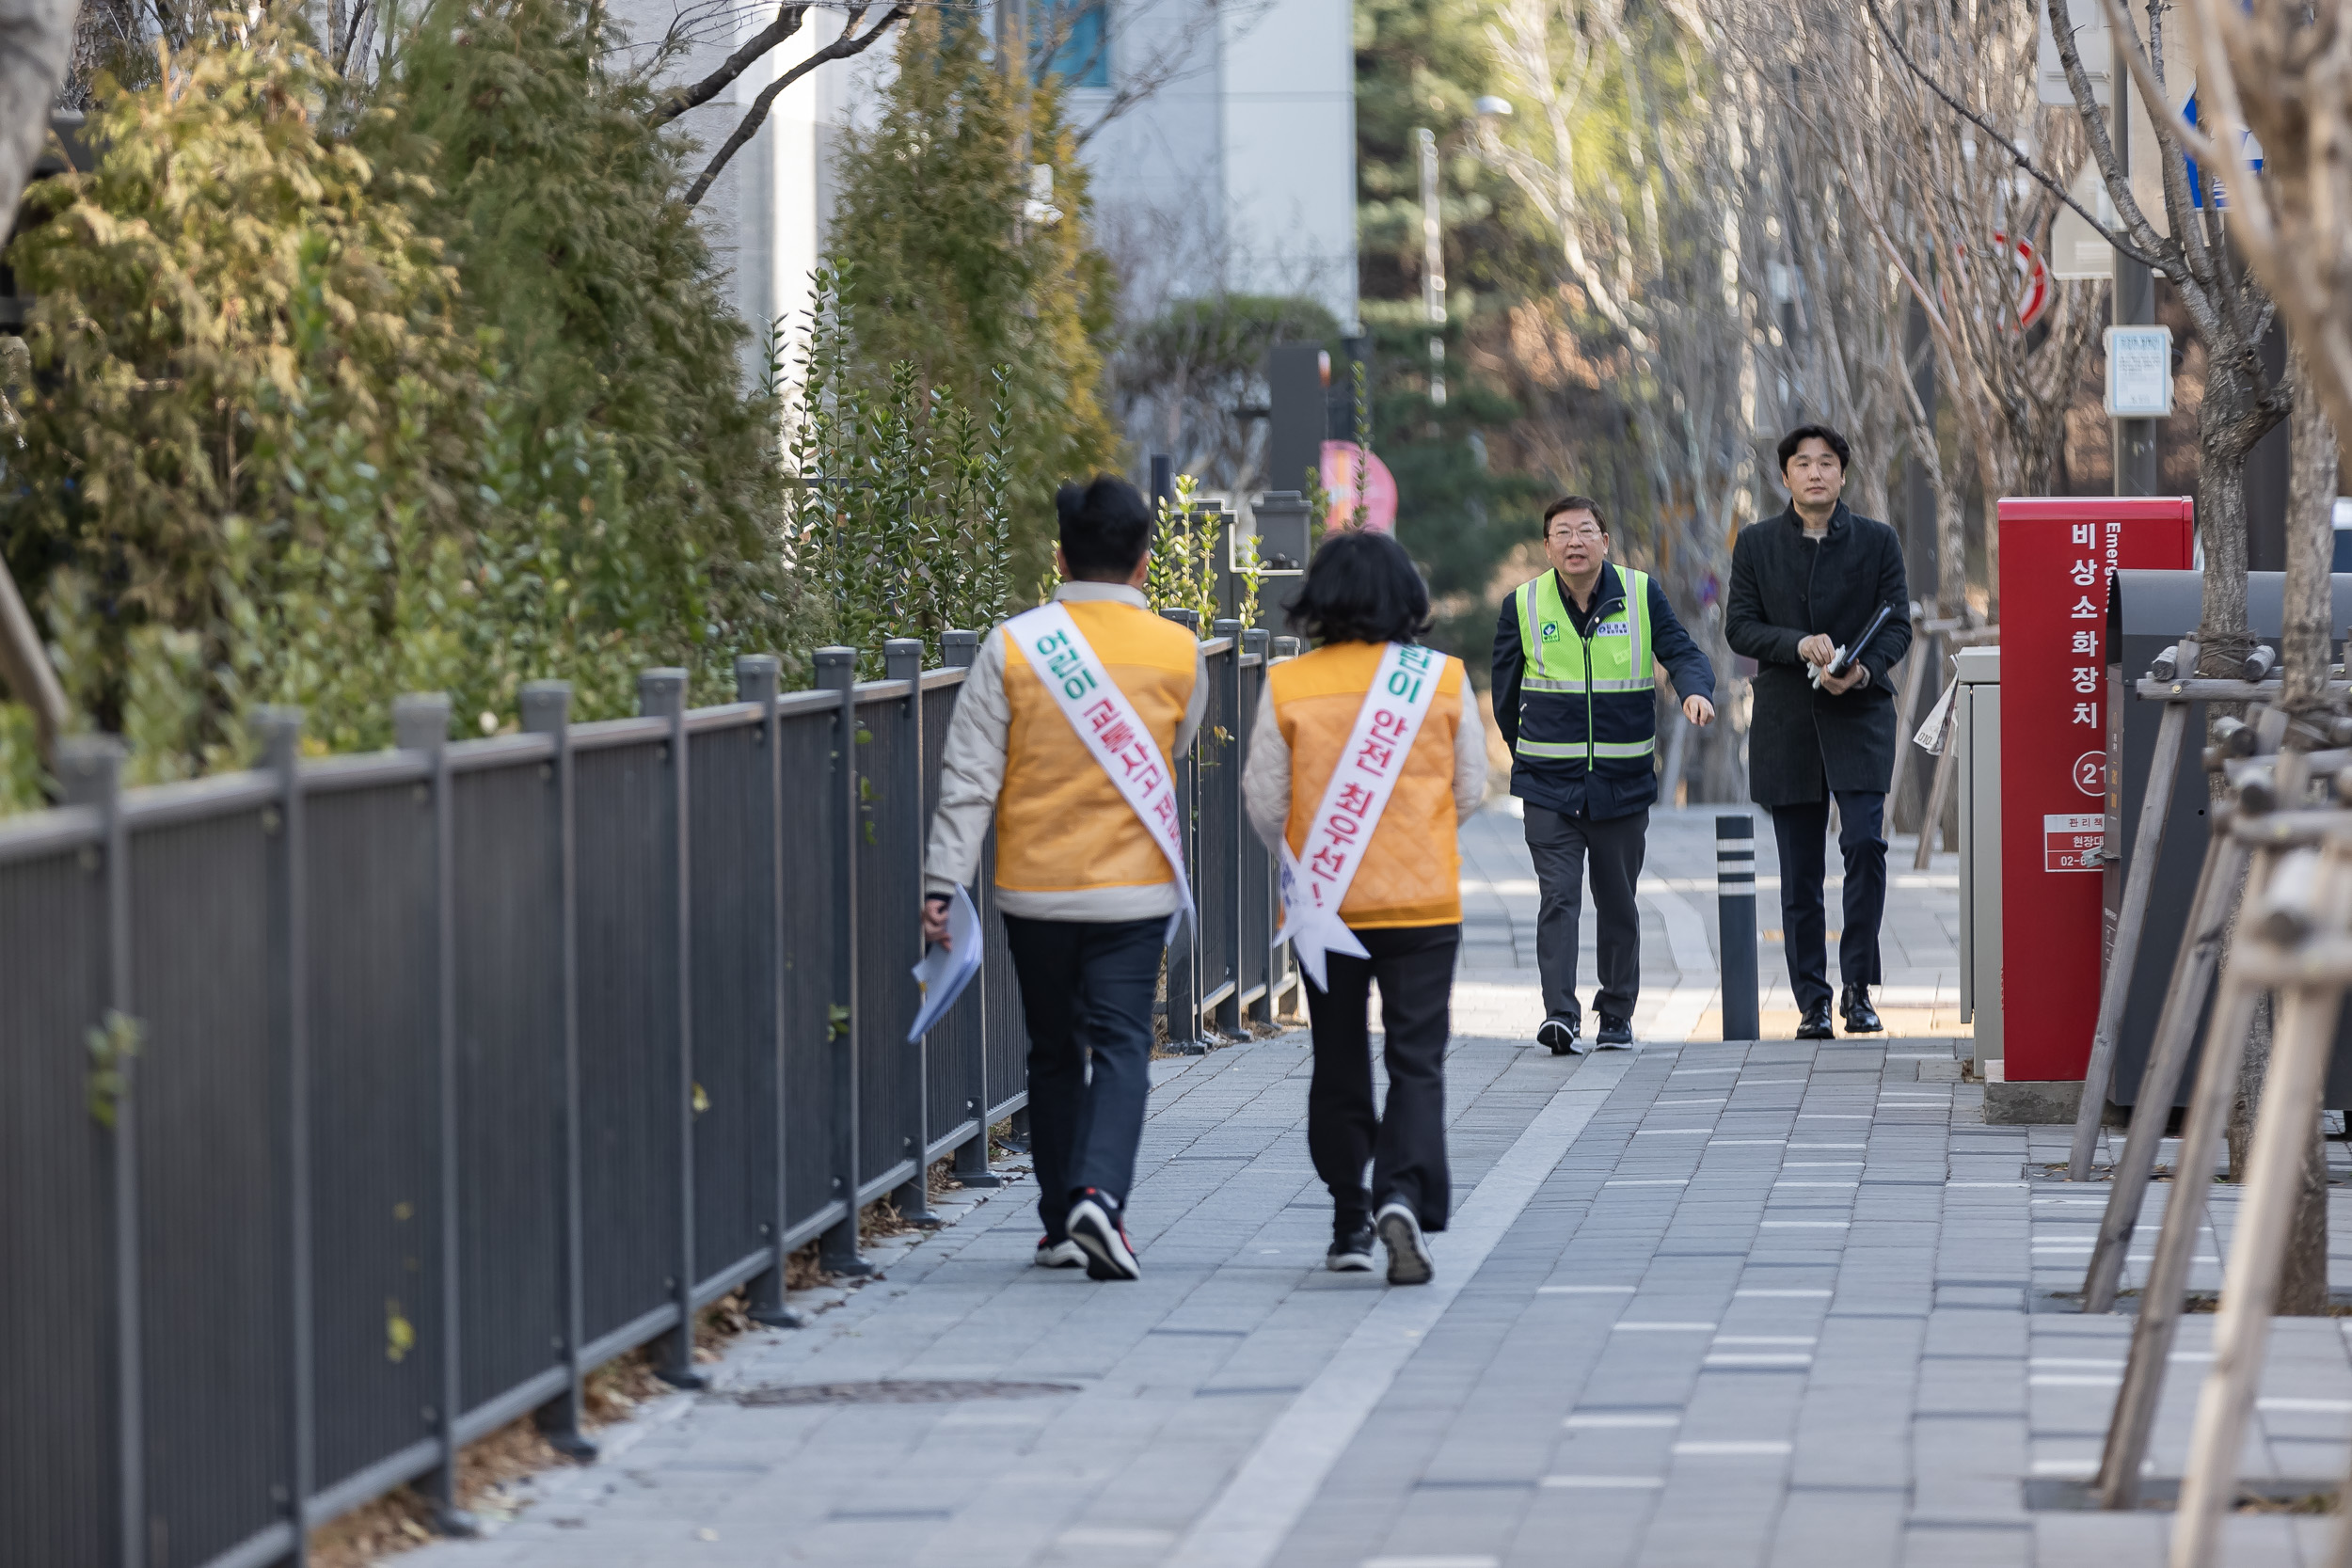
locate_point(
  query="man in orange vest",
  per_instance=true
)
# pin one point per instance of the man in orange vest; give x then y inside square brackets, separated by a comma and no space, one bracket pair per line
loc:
[1366,756]
[1063,736]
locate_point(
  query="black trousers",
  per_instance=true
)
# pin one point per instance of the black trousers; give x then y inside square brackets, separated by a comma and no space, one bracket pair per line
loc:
[1406,1143]
[1086,992]
[1802,831]
[1562,848]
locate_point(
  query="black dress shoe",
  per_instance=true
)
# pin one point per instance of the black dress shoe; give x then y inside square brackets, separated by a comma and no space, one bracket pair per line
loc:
[1856,1004]
[1814,1025]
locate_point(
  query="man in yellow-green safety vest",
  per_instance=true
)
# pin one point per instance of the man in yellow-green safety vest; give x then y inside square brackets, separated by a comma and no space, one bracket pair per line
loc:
[1576,657]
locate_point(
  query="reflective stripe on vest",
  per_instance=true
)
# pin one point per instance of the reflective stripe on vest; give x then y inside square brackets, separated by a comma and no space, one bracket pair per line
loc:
[1575,689]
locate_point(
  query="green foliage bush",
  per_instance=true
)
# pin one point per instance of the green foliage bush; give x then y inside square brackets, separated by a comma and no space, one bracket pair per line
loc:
[955,267]
[328,405]
[900,512]
[435,385]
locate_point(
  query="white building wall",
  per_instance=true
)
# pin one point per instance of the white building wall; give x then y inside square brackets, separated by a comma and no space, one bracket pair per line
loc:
[1238,172]
[1289,130]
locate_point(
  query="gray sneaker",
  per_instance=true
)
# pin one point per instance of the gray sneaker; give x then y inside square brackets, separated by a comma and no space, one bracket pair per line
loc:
[1410,1262]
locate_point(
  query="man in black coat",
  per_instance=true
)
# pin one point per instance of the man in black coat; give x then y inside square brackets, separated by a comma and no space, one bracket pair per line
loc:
[1803,585]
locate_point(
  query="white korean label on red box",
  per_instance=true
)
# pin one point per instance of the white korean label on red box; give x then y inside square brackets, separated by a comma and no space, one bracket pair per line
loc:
[2072,843]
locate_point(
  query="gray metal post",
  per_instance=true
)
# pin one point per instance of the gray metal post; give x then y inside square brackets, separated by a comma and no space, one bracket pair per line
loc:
[757,679]
[1734,918]
[1228,784]
[1184,954]
[278,730]
[1256,643]
[837,672]
[902,660]
[420,723]
[2123,947]
[89,769]
[958,649]
[1282,973]
[547,707]
[662,693]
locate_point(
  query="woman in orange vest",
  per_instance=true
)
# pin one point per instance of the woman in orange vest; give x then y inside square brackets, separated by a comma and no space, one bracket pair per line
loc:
[1367,755]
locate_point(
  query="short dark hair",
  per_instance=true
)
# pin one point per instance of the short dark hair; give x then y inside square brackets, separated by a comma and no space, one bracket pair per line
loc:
[1575,504]
[1105,528]
[1362,588]
[1803,432]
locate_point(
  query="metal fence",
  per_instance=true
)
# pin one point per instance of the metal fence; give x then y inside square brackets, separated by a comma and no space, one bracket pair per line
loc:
[352,1109]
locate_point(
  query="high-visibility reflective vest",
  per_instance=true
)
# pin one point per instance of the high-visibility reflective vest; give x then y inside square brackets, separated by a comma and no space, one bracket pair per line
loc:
[1587,702]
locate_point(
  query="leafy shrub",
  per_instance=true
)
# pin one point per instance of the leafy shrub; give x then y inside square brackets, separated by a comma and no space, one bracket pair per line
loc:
[955,264]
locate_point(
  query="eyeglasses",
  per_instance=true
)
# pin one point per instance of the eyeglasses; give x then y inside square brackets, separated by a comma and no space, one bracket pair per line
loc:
[1586,531]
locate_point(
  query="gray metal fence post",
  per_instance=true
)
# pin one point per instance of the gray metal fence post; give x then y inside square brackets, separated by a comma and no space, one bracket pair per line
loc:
[958,649]
[278,730]
[420,723]
[89,769]
[1735,917]
[1257,642]
[662,693]
[837,672]
[546,709]
[902,660]
[757,677]
[1281,973]
[1184,954]
[1229,790]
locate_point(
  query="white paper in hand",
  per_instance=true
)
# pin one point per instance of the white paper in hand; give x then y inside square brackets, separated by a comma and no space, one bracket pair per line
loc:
[946,971]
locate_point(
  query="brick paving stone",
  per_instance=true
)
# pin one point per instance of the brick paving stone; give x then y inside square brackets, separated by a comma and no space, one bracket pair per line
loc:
[1786,1304]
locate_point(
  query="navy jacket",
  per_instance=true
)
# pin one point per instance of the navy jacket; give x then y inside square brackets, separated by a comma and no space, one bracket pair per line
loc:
[1561,784]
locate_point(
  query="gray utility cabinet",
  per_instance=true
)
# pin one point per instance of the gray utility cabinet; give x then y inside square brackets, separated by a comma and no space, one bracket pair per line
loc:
[2145,611]
[1977,781]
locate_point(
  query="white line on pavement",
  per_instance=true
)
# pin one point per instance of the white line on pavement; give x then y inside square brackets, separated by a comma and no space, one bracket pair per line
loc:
[1247,1524]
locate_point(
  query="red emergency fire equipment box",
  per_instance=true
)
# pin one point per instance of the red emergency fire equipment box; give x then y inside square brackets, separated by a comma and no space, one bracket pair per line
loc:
[2057,556]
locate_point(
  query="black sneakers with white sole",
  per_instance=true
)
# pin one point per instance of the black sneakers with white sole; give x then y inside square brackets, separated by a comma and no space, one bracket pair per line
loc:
[1558,1036]
[1094,1224]
[1410,1262]
[1351,1250]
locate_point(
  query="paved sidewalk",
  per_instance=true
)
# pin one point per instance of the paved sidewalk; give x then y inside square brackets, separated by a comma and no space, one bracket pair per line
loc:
[1702,1304]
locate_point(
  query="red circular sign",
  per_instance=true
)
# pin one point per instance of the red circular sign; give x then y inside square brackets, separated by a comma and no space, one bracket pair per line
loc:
[2090,774]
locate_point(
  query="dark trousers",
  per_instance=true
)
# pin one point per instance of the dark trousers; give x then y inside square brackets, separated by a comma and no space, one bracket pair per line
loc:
[1563,847]
[1406,1143]
[1802,831]
[1086,992]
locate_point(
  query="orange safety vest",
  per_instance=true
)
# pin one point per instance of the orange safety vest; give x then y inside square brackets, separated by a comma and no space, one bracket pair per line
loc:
[1411,873]
[1061,825]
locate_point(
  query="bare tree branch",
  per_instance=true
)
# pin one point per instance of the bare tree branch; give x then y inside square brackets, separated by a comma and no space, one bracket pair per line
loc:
[2152,89]
[1174,62]
[2024,160]
[788,21]
[851,42]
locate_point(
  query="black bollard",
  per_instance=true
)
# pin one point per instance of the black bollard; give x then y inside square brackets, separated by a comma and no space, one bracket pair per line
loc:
[1734,920]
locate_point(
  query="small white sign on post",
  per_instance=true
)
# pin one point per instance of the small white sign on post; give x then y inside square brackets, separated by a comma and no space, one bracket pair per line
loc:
[2139,372]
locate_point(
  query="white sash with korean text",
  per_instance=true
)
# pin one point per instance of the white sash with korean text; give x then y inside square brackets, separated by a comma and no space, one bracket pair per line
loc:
[1110,727]
[1315,880]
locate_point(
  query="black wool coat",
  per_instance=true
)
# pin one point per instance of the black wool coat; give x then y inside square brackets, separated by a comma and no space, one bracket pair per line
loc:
[1801,739]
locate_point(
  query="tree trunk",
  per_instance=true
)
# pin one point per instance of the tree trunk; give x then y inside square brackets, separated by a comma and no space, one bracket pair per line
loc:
[2240,1132]
[2310,545]
[2303,662]
[2229,423]
[2303,1272]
